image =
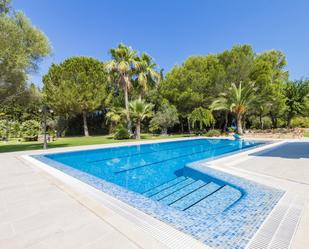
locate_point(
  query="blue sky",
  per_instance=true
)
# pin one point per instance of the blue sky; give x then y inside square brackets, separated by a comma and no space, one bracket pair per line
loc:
[171,30]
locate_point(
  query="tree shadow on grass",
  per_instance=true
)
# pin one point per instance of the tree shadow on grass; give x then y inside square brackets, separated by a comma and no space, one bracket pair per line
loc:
[25,146]
[293,150]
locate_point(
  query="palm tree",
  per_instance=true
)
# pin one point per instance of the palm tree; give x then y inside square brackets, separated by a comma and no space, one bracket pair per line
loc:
[147,76]
[297,98]
[139,110]
[201,116]
[114,116]
[122,64]
[238,100]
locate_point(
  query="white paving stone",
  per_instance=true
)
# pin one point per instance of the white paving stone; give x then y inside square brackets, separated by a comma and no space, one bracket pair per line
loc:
[36,214]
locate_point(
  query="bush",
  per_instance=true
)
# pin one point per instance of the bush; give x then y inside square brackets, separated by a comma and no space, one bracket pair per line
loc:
[10,128]
[154,128]
[30,130]
[165,118]
[300,122]
[231,129]
[3,127]
[14,129]
[281,122]
[199,132]
[121,133]
[213,133]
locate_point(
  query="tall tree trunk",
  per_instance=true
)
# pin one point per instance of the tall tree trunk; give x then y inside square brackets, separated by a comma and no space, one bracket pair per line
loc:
[86,132]
[181,125]
[261,121]
[239,124]
[289,119]
[126,99]
[110,129]
[226,120]
[138,129]
[189,129]
[141,94]
[273,120]
[7,130]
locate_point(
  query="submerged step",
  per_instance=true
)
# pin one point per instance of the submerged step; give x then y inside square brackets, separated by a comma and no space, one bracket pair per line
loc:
[172,189]
[217,202]
[163,186]
[189,189]
[196,196]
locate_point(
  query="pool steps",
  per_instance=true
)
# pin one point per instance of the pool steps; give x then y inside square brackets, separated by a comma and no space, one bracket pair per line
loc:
[162,194]
[189,189]
[194,195]
[164,186]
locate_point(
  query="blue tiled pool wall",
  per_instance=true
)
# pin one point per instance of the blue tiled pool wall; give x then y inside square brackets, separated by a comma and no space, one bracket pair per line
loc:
[230,229]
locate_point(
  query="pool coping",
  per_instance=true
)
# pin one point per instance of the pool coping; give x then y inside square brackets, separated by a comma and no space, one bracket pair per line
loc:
[161,231]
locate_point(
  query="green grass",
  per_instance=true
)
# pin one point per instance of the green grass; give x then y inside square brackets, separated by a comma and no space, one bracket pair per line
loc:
[306,134]
[14,145]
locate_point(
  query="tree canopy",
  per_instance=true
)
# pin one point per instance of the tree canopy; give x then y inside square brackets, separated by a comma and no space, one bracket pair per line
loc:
[78,85]
[22,46]
[193,84]
[297,99]
[214,90]
[5,6]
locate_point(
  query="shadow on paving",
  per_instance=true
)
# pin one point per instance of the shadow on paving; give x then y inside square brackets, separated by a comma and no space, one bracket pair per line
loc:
[294,150]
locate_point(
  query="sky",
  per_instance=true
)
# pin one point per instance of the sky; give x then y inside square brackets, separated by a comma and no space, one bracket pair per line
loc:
[171,30]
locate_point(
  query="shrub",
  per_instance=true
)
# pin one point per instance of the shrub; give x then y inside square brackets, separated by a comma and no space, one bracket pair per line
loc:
[10,128]
[30,130]
[199,132]
[165,118]
[3,127]
[154,128]
[213,133]
[121,133]
[281,122]
[302,122]
[14,129]
[231,129]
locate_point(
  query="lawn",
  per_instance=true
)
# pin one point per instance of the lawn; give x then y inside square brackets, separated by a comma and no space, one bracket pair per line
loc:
[306,134]
[14,145]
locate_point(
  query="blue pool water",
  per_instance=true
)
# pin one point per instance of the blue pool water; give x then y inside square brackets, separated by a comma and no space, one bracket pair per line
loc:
[164,180]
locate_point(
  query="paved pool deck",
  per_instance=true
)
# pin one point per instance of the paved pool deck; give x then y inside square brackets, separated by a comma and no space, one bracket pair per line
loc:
[39,211]
[287,163]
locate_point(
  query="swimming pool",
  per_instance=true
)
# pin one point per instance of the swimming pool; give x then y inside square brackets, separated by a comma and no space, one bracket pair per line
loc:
[162,180]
